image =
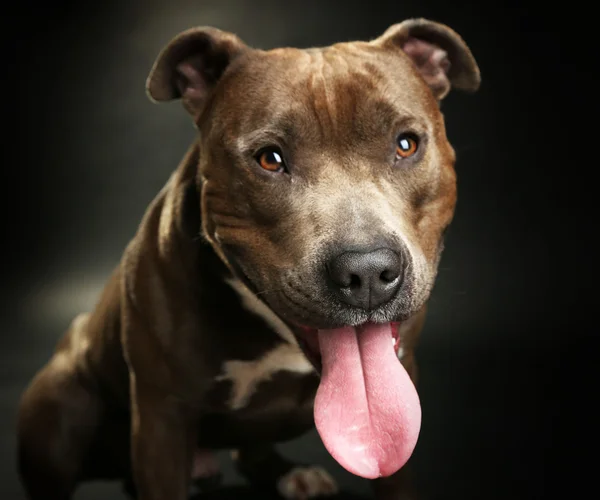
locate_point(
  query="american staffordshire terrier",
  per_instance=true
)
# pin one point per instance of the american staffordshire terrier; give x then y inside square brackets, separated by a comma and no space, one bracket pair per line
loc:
[278,281]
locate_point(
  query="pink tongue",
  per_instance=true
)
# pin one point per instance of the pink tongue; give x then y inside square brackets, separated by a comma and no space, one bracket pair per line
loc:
[367,410]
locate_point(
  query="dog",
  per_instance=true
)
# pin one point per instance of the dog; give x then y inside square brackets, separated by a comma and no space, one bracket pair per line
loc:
[278,281]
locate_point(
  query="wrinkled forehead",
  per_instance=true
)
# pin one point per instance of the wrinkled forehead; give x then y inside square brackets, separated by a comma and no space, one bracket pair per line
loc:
[351,89]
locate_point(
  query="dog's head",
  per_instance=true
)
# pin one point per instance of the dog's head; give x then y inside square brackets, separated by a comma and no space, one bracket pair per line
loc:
[327,182]
[327,178]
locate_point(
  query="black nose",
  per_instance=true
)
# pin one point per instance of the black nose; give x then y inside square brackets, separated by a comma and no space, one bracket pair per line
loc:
[366,279]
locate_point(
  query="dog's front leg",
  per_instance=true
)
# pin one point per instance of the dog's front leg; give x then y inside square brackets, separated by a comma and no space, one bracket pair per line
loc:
[163,435]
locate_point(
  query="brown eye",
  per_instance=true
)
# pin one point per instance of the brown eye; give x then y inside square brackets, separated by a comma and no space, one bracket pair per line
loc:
[406,145]
[271,160]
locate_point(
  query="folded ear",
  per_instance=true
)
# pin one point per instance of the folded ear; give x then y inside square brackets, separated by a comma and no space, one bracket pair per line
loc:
[190,65]
[439,54]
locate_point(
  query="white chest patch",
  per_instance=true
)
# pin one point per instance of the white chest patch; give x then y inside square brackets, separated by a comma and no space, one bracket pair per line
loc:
[247,375]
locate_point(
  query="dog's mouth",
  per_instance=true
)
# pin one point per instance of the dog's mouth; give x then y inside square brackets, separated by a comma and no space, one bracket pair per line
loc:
[366,410]
[308,339]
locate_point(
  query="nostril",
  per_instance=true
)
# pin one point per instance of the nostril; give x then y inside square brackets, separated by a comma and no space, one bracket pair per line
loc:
[355,281]
[388,276]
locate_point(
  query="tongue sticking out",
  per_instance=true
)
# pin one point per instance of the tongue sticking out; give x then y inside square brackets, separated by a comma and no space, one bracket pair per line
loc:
[367,410]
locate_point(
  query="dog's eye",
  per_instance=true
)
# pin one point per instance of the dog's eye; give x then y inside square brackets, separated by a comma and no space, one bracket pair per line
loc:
[406,145]
[271,159]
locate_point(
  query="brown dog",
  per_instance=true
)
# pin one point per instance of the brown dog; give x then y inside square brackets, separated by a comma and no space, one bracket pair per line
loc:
[291,254]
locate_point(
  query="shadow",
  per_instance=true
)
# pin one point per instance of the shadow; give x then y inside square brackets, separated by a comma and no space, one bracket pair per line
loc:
[247,493]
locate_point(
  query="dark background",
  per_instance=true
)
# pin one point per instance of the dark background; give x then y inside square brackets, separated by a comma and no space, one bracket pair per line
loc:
[508,358]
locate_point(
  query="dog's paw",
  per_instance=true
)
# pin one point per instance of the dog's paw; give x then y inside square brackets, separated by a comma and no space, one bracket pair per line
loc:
[302,483]
[206,471]
[205,464]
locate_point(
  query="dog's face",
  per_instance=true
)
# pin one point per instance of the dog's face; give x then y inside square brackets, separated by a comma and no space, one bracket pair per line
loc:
[327,179]
[324,159]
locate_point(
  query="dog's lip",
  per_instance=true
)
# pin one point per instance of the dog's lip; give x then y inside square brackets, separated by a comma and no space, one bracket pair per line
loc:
[308,340]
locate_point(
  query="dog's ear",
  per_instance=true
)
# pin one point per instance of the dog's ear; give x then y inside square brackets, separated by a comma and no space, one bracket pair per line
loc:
[190,65]
[438,52]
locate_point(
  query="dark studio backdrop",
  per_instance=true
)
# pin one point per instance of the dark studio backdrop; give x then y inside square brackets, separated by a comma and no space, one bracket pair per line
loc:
[507,358]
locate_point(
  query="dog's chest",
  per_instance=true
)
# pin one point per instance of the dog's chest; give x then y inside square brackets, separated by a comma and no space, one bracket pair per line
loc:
[266,399]
[251,379]
[267,393]
[274,374]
